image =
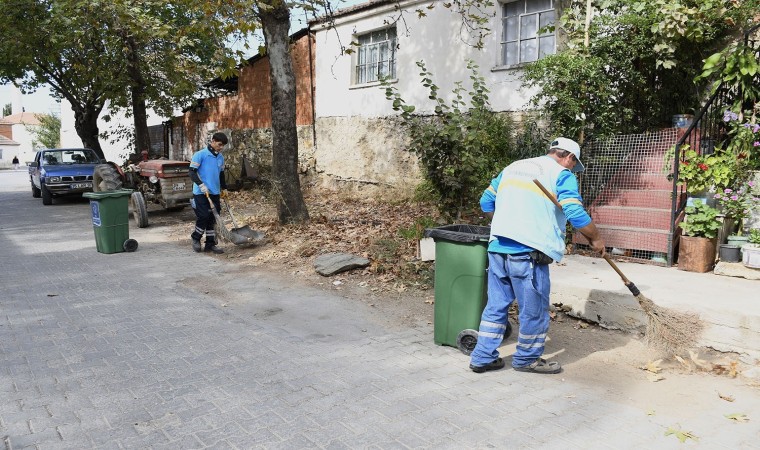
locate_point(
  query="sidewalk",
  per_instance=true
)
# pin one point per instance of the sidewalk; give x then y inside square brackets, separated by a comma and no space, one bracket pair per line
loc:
[729,306]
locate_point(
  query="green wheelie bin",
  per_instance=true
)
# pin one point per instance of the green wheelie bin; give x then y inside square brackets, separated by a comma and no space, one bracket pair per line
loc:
[461,263]
[110,220]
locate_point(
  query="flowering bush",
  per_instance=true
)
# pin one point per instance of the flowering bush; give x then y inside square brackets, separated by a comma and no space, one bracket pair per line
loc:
[700,172]
[745,138]
[737,203]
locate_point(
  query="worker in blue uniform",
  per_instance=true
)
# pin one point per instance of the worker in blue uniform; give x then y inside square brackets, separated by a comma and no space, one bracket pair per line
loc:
[527,234]
[207,173]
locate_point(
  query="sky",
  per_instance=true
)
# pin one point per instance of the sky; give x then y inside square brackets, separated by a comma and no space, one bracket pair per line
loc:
[41,101]
[38,102]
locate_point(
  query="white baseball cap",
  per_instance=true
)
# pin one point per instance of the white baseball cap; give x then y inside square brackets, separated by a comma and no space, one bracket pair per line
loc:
[572,147]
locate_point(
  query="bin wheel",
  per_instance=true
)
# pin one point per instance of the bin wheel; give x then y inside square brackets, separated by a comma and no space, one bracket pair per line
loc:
[467,339]
[130,245]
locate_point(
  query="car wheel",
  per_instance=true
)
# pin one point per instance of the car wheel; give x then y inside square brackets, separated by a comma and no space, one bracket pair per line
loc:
[139,210]
[36,193]
[105,177]
[47,197]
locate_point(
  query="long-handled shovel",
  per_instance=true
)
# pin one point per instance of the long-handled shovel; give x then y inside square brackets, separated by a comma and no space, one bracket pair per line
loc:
[667,329]
[245,231]
[222,229]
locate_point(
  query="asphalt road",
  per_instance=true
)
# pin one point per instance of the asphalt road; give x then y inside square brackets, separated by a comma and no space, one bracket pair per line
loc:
[165,348]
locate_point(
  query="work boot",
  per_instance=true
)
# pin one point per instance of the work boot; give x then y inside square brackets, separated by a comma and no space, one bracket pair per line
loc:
[213,248]
[496,364]
[197,245]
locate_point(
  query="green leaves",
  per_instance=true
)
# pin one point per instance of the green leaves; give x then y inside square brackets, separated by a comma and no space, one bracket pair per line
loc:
[463,145]
[701,221]
[640,66]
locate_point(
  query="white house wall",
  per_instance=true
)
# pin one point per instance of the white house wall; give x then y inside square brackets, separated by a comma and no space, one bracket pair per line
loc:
[114,151]
[24,137]
[352,142]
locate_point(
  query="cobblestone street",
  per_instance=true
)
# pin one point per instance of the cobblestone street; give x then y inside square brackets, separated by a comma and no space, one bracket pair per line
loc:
[166,348]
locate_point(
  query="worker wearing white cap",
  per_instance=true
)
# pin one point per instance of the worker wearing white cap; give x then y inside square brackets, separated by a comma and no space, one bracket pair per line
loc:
[527,234]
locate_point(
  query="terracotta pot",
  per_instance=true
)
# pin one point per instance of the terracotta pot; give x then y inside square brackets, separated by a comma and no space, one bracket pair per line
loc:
[696,254]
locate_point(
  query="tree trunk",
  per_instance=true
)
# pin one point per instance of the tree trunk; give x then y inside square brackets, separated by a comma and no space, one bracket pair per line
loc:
[275,22]
[139,110]
[86,125]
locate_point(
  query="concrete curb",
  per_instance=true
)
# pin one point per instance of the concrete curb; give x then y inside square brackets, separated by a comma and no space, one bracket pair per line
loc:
[729,306]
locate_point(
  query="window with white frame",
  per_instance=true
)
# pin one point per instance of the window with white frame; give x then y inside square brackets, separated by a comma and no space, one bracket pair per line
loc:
[376,56]
[521,22]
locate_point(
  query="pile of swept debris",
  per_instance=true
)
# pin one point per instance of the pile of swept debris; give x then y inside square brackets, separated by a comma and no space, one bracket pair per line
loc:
[386,234]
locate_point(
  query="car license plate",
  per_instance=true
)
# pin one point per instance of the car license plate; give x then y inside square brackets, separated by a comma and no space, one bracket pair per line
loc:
[81,185]
[178,186]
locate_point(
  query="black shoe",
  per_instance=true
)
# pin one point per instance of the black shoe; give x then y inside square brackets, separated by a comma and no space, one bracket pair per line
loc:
[196,245]
[496,364]
[214,249]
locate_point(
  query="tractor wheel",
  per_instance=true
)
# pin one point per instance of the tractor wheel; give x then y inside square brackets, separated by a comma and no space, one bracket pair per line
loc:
[106,178]
[47,197]
[139,210]
[36,193]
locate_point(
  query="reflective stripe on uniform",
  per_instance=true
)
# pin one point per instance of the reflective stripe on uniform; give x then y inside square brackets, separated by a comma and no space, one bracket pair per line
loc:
[491,335]
[493,325]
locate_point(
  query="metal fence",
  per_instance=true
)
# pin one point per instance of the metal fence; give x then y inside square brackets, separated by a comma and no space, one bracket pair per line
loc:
[627,192]
[630,184]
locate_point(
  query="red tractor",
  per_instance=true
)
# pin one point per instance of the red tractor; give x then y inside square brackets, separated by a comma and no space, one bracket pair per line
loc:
[161,181]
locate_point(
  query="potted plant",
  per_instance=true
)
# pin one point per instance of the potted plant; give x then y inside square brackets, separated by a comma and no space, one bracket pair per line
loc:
[736,205]
[700,229]
[751,251]
[699,172]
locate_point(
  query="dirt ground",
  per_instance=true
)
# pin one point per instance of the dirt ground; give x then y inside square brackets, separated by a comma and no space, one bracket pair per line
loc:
[399,287]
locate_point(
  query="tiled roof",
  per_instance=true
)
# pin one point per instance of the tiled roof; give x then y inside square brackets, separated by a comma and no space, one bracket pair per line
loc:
[21,118]
[5,141]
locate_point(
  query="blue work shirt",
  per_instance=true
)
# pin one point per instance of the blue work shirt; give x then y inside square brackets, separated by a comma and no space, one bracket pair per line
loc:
[209,167]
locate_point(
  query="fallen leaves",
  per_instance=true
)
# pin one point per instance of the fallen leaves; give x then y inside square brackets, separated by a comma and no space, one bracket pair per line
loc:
[695,363]
[738,417]
[384,232]
[652,366]
[681,435]
[653,370]
[727,398]
[581,325]
[655,377]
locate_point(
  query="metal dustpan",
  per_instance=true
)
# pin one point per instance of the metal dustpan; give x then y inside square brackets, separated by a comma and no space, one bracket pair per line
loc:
[244,234]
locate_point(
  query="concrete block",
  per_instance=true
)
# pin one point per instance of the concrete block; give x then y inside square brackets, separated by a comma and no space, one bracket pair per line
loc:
[427,249]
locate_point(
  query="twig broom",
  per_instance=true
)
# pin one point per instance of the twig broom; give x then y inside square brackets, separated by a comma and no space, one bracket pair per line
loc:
[667,329]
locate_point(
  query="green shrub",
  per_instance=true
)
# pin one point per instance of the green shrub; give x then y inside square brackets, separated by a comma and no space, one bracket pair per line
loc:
[464,144]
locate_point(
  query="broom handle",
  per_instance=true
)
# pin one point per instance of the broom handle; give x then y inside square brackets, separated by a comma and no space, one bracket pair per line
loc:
[213,208]
[229,210]
[606,257]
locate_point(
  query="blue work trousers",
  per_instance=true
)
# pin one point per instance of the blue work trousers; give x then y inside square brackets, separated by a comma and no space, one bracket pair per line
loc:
[513,277]
[204,218]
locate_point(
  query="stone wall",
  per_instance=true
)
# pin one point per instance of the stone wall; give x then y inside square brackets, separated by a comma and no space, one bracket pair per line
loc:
[366,155]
